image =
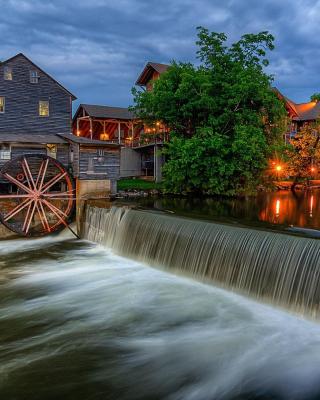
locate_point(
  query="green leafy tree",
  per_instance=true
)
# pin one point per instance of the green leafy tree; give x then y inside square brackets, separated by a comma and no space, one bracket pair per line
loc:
[315,97]
[223,116]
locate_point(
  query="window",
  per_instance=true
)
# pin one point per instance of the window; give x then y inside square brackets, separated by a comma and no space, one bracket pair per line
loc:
[5,152]
[43,108]
[34,76]
[7,73]
[52,150]
[2,104]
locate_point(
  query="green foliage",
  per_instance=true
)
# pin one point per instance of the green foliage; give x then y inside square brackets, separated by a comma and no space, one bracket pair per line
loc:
[223,116]
[304,153]
[215,164]
[315,97]
[137,184]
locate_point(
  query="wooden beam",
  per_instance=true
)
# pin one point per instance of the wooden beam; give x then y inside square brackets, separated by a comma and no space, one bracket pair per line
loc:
[119,132]
[91,127]
[132,133]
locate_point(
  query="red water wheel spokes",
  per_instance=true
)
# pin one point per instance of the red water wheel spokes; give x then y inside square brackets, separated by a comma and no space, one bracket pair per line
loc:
[37,195]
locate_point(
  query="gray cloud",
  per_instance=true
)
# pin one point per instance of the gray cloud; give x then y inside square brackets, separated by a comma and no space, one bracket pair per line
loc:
[97,48]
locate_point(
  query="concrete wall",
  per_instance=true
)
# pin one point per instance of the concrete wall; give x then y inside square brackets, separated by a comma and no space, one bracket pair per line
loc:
[130,163]
[91,189]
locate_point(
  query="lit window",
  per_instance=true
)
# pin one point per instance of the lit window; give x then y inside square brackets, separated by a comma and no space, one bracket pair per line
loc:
[7,74]
[43,108]
[2,104]
[34,76]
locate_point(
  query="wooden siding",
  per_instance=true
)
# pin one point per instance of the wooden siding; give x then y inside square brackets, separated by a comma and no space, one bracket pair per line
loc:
[20,150]
[22,101]
[102,163]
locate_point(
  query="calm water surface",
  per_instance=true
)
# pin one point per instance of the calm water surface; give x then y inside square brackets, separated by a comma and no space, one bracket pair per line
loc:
[276,210]
[79,322]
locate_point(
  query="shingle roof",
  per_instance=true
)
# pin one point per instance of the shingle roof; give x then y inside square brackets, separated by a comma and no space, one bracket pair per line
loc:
[147,72]
[87,141]
[302,111]
[36,66]
[307,111]
[31,138]
[106,112]
[161,68]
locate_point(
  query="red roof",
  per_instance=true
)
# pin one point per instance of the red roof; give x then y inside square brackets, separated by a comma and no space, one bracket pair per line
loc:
[148,71]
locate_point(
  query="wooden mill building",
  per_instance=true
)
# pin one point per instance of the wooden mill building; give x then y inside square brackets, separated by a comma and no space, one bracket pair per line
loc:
[140,145]
[299,114]
[36,117]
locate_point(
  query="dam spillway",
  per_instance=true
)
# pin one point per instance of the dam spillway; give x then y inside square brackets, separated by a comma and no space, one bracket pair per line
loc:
[272,267]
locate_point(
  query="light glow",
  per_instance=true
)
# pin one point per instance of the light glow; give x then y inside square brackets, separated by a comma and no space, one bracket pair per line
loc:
[277,208]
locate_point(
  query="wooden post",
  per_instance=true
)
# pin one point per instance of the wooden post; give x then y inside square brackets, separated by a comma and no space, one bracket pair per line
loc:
[132,133]
[91,128]
[78,133]
[119,132]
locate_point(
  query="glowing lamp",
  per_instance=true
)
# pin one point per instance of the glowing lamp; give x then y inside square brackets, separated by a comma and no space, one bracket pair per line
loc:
[313,169]
[78,133]
[278,168]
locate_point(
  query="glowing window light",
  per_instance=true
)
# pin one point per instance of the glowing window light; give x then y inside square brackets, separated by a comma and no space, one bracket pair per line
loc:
[277,208]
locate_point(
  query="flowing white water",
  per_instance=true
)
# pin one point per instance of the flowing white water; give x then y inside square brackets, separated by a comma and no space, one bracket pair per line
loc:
[79,322]
[277,268]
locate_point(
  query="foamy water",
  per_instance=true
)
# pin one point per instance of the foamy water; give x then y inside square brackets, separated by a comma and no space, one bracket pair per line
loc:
[78,322]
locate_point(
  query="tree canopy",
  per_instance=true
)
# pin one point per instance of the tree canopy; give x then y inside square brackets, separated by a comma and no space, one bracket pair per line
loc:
[223,115]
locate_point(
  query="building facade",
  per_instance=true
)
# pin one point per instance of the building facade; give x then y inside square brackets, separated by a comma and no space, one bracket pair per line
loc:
[36,118]
[298,115]
[140,145]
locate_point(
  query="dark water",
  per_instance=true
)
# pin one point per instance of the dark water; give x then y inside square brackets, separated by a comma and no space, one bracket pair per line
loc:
[79,322]
[276,210]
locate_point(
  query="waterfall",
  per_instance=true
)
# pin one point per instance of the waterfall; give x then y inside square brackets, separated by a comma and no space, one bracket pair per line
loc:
[273,267]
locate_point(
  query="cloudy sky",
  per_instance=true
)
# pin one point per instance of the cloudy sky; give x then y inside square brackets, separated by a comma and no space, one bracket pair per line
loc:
[97,48]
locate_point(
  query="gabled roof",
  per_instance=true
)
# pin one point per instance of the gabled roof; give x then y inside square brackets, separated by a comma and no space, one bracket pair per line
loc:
[36,66]
[148,71]
[106,112]
[301,111]
[307,111]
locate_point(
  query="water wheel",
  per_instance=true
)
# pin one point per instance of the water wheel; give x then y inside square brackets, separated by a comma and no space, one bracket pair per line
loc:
[40,196]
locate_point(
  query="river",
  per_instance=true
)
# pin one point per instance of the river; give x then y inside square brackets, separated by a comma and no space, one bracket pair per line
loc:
[80,322]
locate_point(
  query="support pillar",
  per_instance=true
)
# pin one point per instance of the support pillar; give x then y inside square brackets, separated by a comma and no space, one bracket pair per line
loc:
[119,132]
[90,128]
[132,134]
[157,171]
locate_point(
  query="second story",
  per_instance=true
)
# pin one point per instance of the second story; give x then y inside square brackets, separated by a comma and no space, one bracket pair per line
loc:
[31,101]
[298,114]
[150,73]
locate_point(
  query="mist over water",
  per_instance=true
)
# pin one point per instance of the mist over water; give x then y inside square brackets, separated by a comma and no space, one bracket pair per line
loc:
[79,322]
[276,268]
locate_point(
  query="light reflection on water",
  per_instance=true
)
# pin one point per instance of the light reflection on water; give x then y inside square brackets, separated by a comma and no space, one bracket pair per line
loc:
[274,209]
[78,322]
